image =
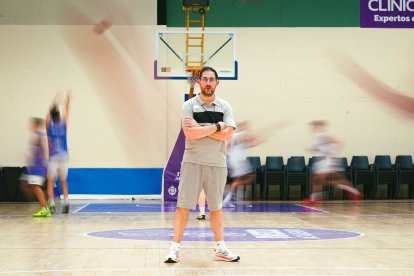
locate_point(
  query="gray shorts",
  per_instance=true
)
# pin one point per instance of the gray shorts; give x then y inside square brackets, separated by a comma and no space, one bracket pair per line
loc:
[194,178]
[58,166]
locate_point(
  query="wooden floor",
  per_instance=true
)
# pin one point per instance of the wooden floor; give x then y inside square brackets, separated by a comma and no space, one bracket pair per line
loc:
[64,244]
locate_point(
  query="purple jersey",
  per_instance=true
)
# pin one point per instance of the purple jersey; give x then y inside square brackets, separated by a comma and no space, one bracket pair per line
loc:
[37,161]
[56,133]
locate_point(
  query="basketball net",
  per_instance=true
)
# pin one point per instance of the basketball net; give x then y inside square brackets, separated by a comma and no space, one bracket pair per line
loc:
[192,80]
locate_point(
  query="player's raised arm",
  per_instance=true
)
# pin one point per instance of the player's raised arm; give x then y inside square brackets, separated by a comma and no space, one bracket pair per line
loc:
[374,86]
[67,105]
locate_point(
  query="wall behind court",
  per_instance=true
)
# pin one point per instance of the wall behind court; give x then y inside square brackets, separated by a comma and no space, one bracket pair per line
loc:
[290,74]
[121,118]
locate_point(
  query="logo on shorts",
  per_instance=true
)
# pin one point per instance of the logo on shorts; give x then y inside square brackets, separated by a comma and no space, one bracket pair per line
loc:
[182,199]
[172,190]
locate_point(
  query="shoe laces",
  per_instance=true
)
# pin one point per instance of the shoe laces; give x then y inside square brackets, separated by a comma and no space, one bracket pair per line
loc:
[222,250]
[174,251]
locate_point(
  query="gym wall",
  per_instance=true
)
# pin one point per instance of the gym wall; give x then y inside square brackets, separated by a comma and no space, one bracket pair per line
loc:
[123,124]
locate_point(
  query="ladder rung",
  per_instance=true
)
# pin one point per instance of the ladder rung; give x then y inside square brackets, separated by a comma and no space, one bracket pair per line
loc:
[195,20]
[195,62]
[192,45]
[189,54]
[195,37]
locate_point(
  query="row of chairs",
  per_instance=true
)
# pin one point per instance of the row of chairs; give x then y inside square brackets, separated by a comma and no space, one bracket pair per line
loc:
[360,172]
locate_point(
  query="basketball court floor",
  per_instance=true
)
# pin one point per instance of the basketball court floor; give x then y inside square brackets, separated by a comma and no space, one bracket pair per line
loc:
[131,237]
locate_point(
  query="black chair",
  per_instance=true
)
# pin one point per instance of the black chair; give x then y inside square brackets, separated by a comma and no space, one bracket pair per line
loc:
[3,189]
[11,180]
[297,173]
[405,170]
[258,173]
[344,170]
[362,174]
[344,167]
[385,173]
[274,173]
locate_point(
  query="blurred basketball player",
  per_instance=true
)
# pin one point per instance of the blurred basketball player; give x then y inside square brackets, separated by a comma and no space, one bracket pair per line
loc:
[36,166]
[56,125]
[240,170]
[327,170]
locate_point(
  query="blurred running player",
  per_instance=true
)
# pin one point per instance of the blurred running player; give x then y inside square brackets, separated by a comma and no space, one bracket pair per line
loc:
[327,170]
[36,166]
[240,170]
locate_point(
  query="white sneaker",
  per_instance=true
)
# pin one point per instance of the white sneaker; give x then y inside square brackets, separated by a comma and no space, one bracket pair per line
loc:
[223,254]
[173,256]
[228,204]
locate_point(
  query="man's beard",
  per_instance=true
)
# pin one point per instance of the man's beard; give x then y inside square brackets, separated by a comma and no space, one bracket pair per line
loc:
[207,94]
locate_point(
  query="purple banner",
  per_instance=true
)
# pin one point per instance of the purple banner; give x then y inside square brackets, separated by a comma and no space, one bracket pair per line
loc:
[172,170]
[387,13]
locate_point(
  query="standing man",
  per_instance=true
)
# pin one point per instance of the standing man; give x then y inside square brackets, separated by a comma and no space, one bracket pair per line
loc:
[56,126]
[207,124]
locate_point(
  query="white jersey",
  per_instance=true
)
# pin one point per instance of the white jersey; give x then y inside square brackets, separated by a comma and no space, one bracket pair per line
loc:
[323,145]
[236,160]
[326,148]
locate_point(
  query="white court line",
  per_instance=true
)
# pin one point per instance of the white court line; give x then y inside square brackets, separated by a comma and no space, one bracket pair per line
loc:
[86,205]
[175,268]
[312,208]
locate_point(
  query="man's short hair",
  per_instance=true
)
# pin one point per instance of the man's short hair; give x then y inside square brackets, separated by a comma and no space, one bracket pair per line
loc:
[207,68]
[36,121]
[54,113]
[318,123]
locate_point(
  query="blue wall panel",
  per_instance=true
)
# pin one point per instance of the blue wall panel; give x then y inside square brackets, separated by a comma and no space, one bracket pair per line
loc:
[115,181]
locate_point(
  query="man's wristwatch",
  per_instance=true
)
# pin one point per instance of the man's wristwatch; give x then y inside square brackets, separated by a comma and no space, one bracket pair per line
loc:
[218,127]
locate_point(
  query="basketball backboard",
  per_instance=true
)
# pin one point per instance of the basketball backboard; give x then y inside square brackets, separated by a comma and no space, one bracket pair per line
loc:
[176,51]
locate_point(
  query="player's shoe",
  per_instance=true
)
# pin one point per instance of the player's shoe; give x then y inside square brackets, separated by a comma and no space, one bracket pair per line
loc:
[201,217]
[228,201]
[311,201]
[173,256]
[44,212]
[51,208]
[228,204]
[355,197]
[65,209]
[223,254]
